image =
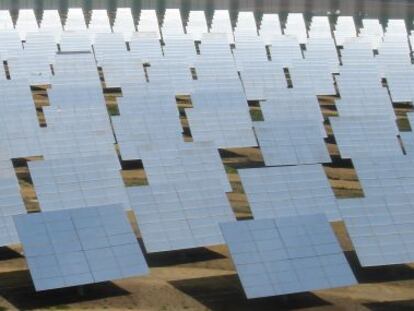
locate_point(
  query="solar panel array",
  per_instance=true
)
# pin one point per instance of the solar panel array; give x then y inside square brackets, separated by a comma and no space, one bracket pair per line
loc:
[275,192]
[286,255]
[222,68]
[79,246]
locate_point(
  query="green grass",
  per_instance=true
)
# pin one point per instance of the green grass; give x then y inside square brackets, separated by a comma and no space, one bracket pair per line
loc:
[230,170]
[256,115]
[112,110]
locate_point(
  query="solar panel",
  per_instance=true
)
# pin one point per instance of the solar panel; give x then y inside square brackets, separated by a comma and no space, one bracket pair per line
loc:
[385,175]
[172,24]
[11,202]
[124,23]
[215,47]
[42,45]
[246,46]
[122,69]
[291,104]
[74,94]
[295,26]
[51,23]
[75,20]
[158,119]
[73,132]
[287,255]
[400,80]
[275,192]
[314,74]
[259,76]
[80,246]
[146,46]
[78,182]
[221,23]
[197,25]
[372,30]
[344,29]
[284,49]
[359,137]
[110,46]
[26,21]
[380,228]
[269,27]
[11,43]
[173,216]
[183,163]
[75,41]
[30,67]
[180,48]
[6,22]
[245,26]
[323,50]
[19,126]
[320,27]
[291,142]
[99,23]
[226,127]
[148,22]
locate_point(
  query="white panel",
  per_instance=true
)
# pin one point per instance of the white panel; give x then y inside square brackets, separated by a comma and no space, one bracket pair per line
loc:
[287,255]
[81,246]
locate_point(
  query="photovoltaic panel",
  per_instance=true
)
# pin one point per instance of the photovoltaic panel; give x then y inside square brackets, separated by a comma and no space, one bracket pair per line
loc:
[11,43]
[286,255]
[197,25]
[259,76]
[146,46]
[148,22]
[359,137]
[124,23]
[385,175]
[6,22]
[269,27]
[173,216]
[320,27]
[75,41]
[291,142]
[119,69]
[183,162]
[226,127]
[344,29]
[11,202]
[109,45]
[380,228]
[314,74]
[80,246]
[172,24]
[75,20]
[222,24]
[291,104]
[284,49]
[52,24]
[78,182]
[99,23]
[295,26]
[26,22]
[275,192]
[30,67]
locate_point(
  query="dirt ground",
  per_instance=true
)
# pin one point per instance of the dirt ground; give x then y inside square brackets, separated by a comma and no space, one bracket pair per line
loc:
[204,278]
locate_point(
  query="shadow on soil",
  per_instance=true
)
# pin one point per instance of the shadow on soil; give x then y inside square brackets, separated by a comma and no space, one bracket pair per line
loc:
[17,288]
[378,274]
[221,293]
[402,305]
[179,257]
[7,254]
